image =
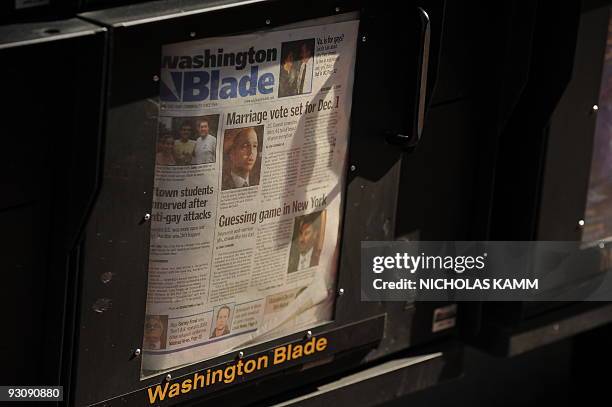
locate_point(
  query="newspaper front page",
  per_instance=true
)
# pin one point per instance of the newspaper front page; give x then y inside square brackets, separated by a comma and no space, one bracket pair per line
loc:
[251,155]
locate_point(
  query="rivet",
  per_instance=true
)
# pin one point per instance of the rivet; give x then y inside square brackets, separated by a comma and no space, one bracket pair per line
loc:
[102,305]
[337,9]
[168,377]
[353,168]
[155,78]
[147,216]
[594,109]
[106,277]
[308,334]
[364,38]
[192,34]
[137,352]
[341,291]
[240,355]
[581,222]
[268,21]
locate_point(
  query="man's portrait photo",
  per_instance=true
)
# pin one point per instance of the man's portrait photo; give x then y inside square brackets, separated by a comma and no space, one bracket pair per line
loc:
[155,331]
[307,241]
[296,67]
[187,140]
[184,145]
[241,157]
[205,150]
[222,320]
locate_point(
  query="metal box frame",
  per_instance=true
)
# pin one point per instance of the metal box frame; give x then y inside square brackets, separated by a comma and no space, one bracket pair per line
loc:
[112,309]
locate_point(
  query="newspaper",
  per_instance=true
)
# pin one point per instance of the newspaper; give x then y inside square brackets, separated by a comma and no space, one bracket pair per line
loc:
[252,145]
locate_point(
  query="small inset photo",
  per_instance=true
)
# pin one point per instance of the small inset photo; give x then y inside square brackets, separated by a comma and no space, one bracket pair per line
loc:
[187,140]
[296,67]
[241,157]
[155,332]
[307,241]
[222,320]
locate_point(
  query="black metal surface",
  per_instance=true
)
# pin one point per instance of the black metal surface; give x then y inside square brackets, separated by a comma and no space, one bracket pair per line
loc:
[460,66]
[439,185]
[17,35]
[24,11]
[571,131]
[387,381]
[88,5]
[550,135]
[522,139]
[52,85]
[447,183]
[501,339]
[157,11]
[539,378]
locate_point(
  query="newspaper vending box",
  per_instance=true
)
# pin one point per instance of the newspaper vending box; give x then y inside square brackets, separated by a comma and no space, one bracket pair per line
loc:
[249,147]
[557,131]
[52,84]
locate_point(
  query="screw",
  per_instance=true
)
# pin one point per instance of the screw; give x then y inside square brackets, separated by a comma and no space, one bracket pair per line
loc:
[192,34]
[364,38]
[102,305]
[168,377]
[341,291]
[268,21]
[106,277]
[155,78]
[137,352]
[240,355]
[147,216]
[353,168]
[308,334]
[581,222]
